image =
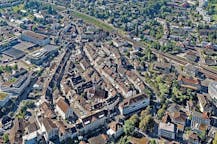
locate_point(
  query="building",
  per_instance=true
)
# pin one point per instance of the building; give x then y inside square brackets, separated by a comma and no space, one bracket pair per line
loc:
[179,119]
[115,130]
[191,70]
[204,103]
[212,90]
[49,129]
[65,132]
[100,139]
[40,56]
[189,82]
[93,121]
[200,122]
[163,67]
[31,134]
[35,38]
[17,130]
[64,109]
[134,103]
[10,3]
[19,86]
[166,130]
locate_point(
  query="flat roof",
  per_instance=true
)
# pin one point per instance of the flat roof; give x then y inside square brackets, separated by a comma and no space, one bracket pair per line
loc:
[34,35]
[167,126]
[23,45]
[14,53]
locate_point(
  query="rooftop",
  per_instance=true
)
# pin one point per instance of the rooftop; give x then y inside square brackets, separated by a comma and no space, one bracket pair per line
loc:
[167,126]
[34,35]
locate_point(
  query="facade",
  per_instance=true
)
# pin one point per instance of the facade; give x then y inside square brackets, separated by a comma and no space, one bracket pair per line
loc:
[93,122]
[133,104]
[200,122]
[49,129]
[64,109]
[212,90]
[116,130]
[35,38]
[166,130]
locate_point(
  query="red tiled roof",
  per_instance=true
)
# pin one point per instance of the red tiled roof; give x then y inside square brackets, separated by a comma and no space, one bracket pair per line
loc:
[62,105]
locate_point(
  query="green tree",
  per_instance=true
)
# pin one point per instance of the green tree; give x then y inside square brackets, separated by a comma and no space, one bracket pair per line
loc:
[145,112]
[146,123]
[6,138]
[160,112]
[215,139]
[130,124]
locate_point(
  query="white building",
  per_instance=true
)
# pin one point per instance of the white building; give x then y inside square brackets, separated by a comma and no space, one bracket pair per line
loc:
[93,121]
[64,109]
[134,103]
[212,90]
[116,130]
[166,130]
[32,134]
[49,129]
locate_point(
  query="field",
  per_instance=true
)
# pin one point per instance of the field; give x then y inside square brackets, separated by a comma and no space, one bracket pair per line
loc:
[93,21]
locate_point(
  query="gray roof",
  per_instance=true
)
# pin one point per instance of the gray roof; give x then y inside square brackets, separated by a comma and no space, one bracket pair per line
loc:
[14,53]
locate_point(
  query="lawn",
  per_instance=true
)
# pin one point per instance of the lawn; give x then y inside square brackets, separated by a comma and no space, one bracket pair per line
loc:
[215,17]
[214,67]
[3,95]
[93,21]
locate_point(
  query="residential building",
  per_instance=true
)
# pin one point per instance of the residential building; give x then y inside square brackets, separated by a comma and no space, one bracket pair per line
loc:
[189,82]
[212,90]
[115,130]
[193,138]
[134,103]
[179,118]
[31,134]
[166,130]
[93,121]
[64,109]
[191,70]
[163,67]
[65,132]
[100,139]
[49,129]
[200,122]
[204,103]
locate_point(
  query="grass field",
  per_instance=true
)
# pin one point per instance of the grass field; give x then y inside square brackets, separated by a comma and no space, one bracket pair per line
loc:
[3,95]
[214,67]
[93,21]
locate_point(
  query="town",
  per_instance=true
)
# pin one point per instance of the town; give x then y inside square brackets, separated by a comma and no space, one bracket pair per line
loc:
[108,71]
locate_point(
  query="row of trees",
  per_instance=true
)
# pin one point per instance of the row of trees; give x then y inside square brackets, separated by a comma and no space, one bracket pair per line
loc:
[144,122]
[8,68]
